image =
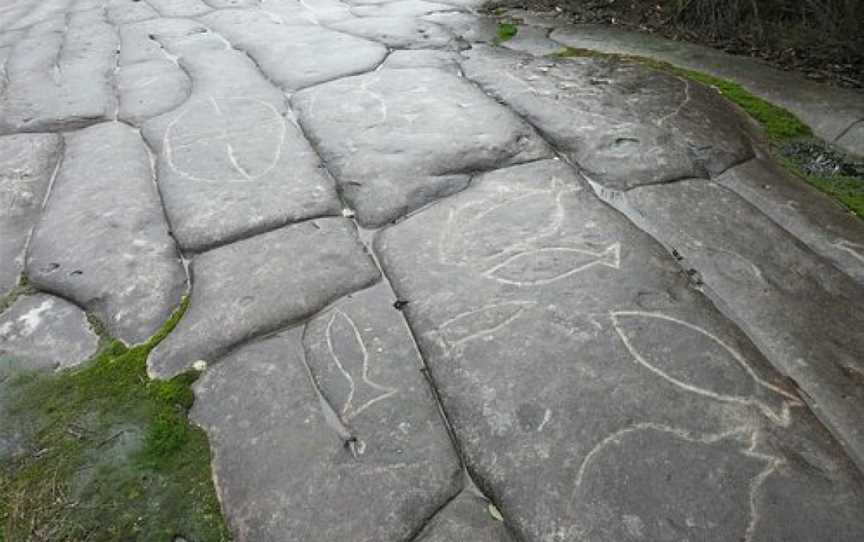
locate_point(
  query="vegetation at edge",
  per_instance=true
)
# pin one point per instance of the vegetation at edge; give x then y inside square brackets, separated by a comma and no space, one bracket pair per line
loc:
[506,31]
[108,454]
[780,126]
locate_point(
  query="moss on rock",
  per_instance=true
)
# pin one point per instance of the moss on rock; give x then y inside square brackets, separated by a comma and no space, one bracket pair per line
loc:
[109,454]
[779,125]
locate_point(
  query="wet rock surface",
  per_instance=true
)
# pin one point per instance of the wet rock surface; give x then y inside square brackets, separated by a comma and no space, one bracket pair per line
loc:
[830,111]
[44,332]
[27,164]
[507,356]
[624,124]
[103,240]
[69,58]
[559,334]
[398,139]
[398,32]
[375,467]
[231,161]
[804,313]
[318,54]
[466,517]
[258,285]
[827,229]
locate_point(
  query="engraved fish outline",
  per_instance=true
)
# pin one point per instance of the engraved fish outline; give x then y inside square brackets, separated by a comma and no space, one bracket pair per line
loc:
[783,418]
[608,257]
[348,411]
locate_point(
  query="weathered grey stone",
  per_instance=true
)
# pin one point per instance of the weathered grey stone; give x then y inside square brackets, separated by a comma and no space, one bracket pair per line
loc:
[853,138]
[26,14]
[468,5]
[142,41]
[470,27]
[316,54]
[148,89]
[230,164]
[180,8]
[71,68]
[558,335]
[308,11]
[231,4]
[533,40]
[129,11]
[103,240]
[401,8]
[828,110]
[828,229]
[398,139]
[465,518]
[258,285]
[541,19]
[398,32]
[374,468]
[627,125]
[805,315]
[44,332]
[27,163]
[409,59]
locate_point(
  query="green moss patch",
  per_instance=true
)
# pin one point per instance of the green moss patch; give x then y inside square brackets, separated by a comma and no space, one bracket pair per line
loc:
[846,189]
[506,31]
[779,125]
[109,454]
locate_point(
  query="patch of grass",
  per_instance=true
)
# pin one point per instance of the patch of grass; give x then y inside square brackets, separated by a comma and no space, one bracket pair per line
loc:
[109,454]
[780,126]
[846,189]
[506,31]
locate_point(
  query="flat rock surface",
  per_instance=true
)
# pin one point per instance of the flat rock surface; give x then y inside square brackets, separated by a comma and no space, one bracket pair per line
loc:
[370,461]
[258,285]
[852,139]
[398,139]
[424,58]
[398,32]
[467,517]
[180,8]
[149,88]
[318,54]
[27,163]
[44,332]
[828,110]
[401,8]
[805,314]
[69,59]
[559,334]
[308,12]
[442,287]
[533,40]
[824,226]
[102,240]
[232,163]
[625,124]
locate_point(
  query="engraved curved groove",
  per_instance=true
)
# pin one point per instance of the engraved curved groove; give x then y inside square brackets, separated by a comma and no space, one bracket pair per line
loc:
[787,400]
[243,175]
[366,387]
[471,225]
[460,329]
[681,106]
[551,264]
[772,463]
[855,249]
